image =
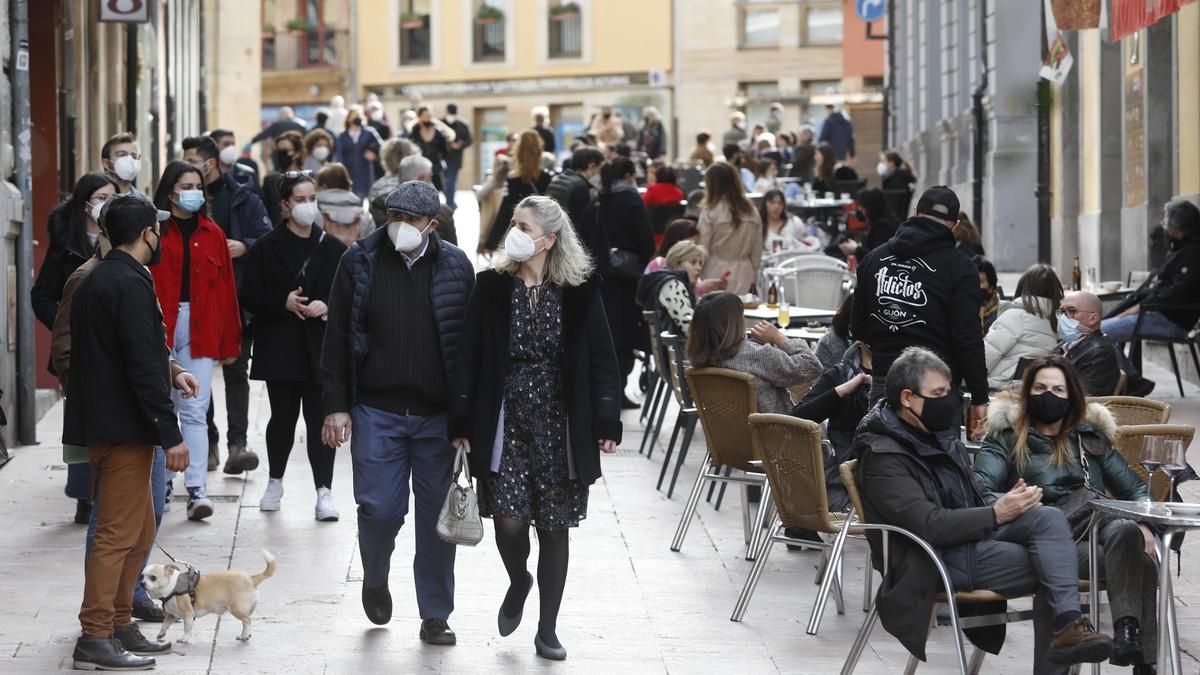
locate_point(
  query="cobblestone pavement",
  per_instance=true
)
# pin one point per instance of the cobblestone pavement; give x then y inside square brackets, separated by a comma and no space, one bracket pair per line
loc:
[631,604]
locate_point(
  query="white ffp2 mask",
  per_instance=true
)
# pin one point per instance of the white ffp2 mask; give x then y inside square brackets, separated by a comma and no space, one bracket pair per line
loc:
[306,213]
[407,238]
[229,155]
[127,167]
[519,246]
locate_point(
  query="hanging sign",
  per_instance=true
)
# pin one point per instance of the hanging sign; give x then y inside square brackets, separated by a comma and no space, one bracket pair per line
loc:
[125,11]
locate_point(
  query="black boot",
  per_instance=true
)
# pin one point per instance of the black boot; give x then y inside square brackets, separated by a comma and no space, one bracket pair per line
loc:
[134,642]
[148,611]
[107,654]
[83,512]
[377,603]
[1127,642]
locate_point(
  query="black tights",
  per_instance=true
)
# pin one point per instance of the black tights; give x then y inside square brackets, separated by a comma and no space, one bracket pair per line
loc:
[286,400]
[512,538]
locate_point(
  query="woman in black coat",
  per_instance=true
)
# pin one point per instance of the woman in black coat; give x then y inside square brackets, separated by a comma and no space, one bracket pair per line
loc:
[622,213]
[431,141]
[285,285]
[535,402]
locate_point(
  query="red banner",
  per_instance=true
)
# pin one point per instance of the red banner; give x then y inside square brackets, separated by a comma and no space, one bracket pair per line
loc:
[1127,16]
[1076,14]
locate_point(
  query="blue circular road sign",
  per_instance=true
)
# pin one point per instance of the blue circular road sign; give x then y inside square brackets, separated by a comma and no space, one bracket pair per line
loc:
[870,10]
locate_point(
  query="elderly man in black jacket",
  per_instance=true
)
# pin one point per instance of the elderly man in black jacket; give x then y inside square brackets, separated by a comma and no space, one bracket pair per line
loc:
[395,314]
[120,408]
[913,473]
[1085,345]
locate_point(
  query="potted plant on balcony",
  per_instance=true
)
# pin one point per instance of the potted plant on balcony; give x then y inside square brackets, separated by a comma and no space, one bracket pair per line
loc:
[412,20]
[488,14]
[268,29]
[567,10]
[298,26]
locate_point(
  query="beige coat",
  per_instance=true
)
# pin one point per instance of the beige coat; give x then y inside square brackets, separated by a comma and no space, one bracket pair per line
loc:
[736,249]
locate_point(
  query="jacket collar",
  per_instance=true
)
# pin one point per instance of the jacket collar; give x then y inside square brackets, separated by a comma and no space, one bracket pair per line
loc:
[121,256]
[883,420]
[1004,411]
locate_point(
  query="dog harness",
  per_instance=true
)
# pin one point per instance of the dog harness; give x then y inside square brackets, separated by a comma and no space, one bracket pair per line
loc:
[186,585]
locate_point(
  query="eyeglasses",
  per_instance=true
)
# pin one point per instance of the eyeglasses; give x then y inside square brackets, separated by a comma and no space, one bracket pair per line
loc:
[293,175]
[1067,311]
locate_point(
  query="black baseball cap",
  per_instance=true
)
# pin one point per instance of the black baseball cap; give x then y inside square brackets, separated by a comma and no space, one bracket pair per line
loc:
[939,201]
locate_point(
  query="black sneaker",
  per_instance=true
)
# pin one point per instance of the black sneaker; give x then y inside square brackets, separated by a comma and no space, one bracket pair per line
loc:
[1127,642]
[377,603]
[437,632]
[107,654]
[83,512]
[148,611]
[134,642]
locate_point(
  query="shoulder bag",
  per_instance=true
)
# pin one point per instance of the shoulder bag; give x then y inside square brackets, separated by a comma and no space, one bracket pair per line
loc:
[460,522]
[1077,506]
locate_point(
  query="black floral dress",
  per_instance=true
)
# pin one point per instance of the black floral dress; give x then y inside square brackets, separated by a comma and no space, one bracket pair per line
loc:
[534,484]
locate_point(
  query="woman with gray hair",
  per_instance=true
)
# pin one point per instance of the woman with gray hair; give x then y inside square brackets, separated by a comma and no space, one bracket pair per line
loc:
[652,139]
[537,399]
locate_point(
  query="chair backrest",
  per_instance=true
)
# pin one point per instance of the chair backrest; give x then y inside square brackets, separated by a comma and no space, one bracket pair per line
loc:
[676,363]
[725,399]
[688,177]
[815,287]
[1136,277]
[849,471]
[1128,441]
[899,201]
[1120,385]
[792,458]
[1134,409]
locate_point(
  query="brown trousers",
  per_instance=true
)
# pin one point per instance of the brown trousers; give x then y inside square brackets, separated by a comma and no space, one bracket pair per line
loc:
[124,534]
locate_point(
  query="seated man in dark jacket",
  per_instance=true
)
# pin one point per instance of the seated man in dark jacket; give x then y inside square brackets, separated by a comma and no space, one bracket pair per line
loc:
[1085,345]
[913,473]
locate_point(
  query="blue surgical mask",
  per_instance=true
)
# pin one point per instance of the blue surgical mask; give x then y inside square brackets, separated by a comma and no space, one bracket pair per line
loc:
[191,200]
[1068,328]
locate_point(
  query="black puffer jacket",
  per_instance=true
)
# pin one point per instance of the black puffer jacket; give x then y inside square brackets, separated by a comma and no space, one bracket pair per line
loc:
[918,289]
[69,248]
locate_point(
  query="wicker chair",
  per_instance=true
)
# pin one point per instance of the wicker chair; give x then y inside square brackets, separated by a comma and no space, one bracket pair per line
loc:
[655,384]
[793,460]
[1128,441]
[1134,409]
[725,399]
[686,419]
[849,472]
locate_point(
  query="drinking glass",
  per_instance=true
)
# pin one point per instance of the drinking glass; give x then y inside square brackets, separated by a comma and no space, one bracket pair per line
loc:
[1151,458]
[1173,461]
[785,316]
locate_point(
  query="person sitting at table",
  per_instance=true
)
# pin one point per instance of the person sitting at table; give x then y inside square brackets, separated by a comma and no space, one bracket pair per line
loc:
[834,343]
[671,291]
[871,207]
[718,339]
[782,231]
[661,189]
[766,178]
[989,303]
[1049,436]
[730,229]
[1085,345]
[913,473]
[839,400]
[829,171]
[1027,329]
[682,229]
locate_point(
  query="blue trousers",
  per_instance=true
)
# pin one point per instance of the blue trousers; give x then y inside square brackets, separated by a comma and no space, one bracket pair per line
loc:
[450,182]
[79,481]
[387,450]
[158,491]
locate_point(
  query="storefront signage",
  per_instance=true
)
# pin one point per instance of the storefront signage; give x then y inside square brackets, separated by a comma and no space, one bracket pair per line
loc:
[1127,16]
[527,86]
[125,11]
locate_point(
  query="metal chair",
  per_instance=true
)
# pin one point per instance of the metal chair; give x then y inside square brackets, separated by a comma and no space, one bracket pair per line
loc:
[725,399]
[793,459]
[666,376]
[1134,409]
[1128,441]
[654,382]
[1190,339]
[815,281]
[685,421]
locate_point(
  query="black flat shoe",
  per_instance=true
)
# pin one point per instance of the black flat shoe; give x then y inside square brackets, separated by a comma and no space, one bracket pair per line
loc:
[107,654]
[134,642]
[547,652]
[148,611]
[83,512]
[377,603]
[437,632]
[507,624]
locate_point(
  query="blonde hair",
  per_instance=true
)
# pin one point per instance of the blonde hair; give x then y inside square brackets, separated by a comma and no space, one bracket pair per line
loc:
[683,251]
[568,263]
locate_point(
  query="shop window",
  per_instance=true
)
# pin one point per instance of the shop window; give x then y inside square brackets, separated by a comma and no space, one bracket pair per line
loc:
[317,41]
[565,29]
[823,25]
[415,34]
[489,29]
[759,26]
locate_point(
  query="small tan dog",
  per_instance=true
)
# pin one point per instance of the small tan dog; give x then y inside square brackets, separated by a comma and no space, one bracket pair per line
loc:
[215,593]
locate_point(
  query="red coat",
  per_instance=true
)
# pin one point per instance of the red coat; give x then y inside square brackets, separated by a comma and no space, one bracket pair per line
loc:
[216,320]
[661,194]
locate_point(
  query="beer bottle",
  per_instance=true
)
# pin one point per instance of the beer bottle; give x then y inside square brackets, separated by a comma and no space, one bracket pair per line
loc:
[773,295]
[1076,276]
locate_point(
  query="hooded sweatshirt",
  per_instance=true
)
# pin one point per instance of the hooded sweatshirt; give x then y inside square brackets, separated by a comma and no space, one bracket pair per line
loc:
[919,290]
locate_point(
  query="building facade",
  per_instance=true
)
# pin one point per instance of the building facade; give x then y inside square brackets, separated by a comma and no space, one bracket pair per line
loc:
[497,59]
[804,54]
[307,48]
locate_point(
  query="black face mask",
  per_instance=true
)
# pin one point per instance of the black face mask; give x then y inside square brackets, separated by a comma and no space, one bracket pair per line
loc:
[282,159]
[940,413]
[156,254]
[1047,407]
[858,213]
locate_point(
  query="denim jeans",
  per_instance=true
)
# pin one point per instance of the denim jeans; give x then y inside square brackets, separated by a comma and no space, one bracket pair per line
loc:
[79,481]
[158,493]
[192,411]
[450,182]
[1119,329]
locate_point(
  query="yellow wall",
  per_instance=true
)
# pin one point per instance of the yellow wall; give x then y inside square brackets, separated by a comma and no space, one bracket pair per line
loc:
[1088,66]
[626,36]
[1189,99]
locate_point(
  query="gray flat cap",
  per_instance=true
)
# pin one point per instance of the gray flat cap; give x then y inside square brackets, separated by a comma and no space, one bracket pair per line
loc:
[415,197]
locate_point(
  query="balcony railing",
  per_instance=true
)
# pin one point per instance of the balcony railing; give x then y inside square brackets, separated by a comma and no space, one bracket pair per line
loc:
[489,39]
[414,41]
[566,36]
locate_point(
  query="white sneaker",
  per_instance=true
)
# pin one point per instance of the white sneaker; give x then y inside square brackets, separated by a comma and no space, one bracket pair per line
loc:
[271,498]
[325,510]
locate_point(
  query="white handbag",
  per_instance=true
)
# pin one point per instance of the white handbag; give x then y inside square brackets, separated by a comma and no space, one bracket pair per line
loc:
[460,522]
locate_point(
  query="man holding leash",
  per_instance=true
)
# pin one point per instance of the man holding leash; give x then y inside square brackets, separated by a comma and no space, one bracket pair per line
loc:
[120,408]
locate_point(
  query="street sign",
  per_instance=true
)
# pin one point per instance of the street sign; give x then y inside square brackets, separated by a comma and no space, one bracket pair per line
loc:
[870,10]
[125,11]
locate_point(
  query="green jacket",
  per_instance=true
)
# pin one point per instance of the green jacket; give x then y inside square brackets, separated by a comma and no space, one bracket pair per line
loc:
[996,472]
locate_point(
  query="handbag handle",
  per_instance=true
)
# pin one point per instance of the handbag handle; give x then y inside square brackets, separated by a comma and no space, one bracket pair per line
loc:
[460,465]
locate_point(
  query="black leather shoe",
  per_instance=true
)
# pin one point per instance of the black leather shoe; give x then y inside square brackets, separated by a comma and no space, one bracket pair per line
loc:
[1127,642]
[134,642]
[1148,669]
[83,512]
[107,654]
[377,603]
[437,632]
[148,611]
